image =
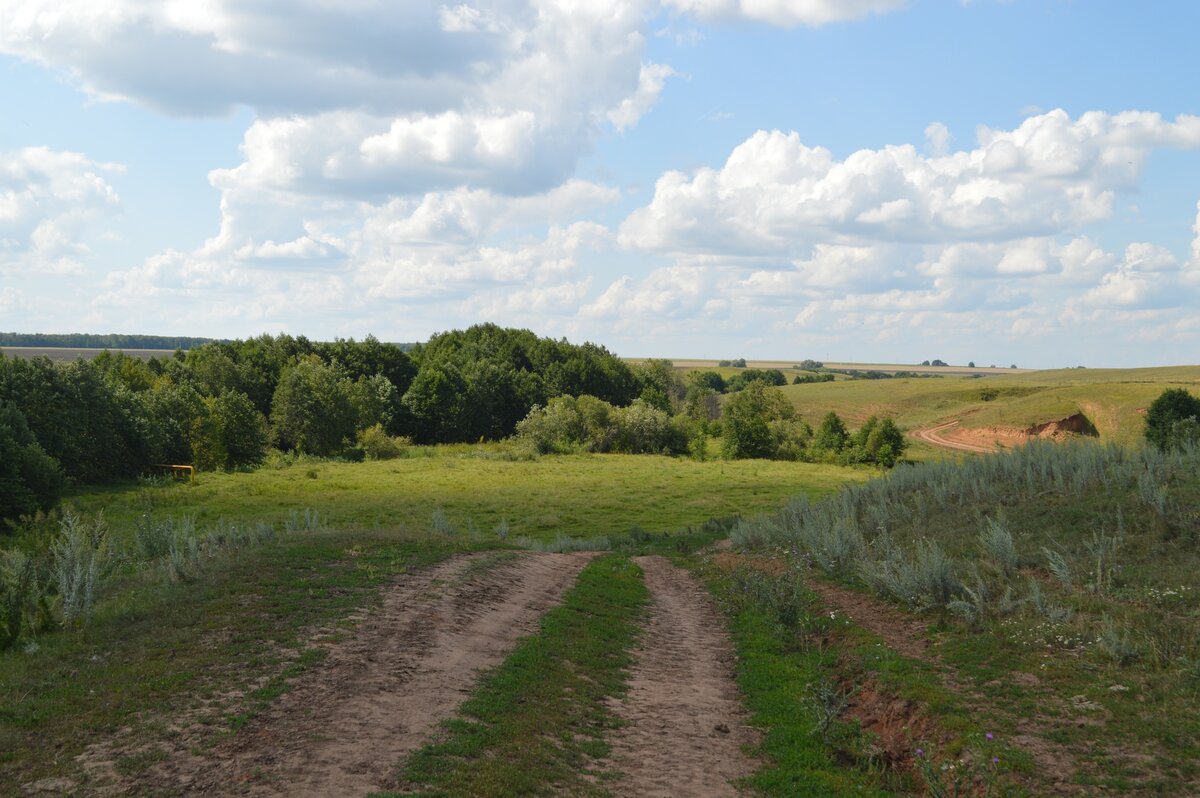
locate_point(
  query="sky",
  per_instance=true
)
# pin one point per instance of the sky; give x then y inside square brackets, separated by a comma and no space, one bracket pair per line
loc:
[847,180]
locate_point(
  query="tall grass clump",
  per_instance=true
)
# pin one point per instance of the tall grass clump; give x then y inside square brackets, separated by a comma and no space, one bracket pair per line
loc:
[78,555]
[922,579]
[306,520]
[946,535]
[997,544]
[24,608]
[563,544]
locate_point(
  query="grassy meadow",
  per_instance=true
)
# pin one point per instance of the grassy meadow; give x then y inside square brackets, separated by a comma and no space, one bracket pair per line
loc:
[479,487]
[1112,399]
[225,635]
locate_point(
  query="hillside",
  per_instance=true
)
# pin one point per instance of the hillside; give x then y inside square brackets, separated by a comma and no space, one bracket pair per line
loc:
[1001,408]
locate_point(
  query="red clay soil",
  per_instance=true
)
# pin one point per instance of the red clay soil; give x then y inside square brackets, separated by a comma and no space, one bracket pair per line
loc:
[686,726]
[344,727]
[951,435]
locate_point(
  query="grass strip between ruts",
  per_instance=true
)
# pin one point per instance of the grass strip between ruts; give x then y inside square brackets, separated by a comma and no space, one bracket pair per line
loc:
[536,723]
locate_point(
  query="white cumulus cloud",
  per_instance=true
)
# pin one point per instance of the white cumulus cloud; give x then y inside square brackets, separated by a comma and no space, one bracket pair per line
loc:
[50,202]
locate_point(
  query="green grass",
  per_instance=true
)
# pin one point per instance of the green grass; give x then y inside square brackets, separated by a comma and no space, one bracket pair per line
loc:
[576,495]
[1110,398]
[157,648]
[535,725]
[1130,723]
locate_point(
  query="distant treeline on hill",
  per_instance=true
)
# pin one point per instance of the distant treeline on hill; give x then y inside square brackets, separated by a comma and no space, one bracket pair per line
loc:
[116,341]
[110,341]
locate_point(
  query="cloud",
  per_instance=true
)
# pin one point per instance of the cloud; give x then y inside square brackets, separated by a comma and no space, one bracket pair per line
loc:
[937,139]
[650,85]
[785,13]
[777,196]
[1148,277]
[49,204]
[363,99]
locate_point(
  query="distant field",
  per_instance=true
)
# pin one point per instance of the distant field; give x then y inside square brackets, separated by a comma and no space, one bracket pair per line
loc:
[1112,399]
[887,368]
[68,354]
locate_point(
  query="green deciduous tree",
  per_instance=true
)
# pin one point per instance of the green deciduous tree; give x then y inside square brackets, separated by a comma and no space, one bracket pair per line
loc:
[229,433]
[30,480]
[746,421]
[312,411]
[1172,406]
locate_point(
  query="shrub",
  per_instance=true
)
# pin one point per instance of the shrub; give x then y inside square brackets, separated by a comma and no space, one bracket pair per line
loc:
[586,423]
[997,544]
[376,444]
[1171,407]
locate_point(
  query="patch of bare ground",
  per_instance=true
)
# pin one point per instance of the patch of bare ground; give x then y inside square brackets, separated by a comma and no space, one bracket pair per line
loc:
[686,728]
[344,726]
[989,439]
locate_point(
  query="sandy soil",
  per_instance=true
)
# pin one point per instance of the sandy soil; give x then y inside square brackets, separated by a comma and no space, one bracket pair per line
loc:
[939,436]
[686,725]
[345,726]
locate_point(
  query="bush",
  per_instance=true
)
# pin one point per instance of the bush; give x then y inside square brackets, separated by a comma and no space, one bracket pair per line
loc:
[746,423]
[1165,414]
[24,608]
[569,424]
[78,557]
[376,444]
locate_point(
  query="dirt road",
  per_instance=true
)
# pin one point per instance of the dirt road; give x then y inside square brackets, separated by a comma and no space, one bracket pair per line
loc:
[685,721]
[347,724]
[934,436]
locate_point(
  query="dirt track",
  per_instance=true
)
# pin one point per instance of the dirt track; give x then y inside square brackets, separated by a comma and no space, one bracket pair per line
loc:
[345,726]
[933,435]
[686,723]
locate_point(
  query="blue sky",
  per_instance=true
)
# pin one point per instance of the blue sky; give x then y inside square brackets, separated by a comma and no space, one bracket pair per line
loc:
[871,180]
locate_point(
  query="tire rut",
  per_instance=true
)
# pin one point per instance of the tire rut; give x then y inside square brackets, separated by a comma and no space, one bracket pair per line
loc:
[686,726]
[343,728]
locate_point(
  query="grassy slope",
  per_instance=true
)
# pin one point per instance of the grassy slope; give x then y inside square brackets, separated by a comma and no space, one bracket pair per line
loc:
[156,648]
[1132,726]
[582,495]
[1111,398]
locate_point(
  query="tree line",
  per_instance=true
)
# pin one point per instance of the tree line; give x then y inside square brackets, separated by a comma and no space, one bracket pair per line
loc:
[224,404]
[108,341]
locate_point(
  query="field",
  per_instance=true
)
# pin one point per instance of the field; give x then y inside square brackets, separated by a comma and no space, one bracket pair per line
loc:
[789,367]
[475,486]
[1111,399]
[62,354]
[467,621]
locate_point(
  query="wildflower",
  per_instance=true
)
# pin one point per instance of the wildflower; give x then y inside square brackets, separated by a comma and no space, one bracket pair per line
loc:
[988,736]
